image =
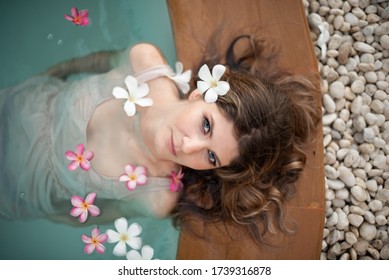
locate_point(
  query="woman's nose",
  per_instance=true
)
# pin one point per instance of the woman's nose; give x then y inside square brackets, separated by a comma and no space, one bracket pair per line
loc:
[192,145]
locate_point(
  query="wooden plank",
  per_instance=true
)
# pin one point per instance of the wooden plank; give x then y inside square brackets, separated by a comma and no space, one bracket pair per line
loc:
[284,22]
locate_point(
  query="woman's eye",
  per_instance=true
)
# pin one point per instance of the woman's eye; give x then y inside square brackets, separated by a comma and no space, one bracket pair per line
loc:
[206,126]
[212,158]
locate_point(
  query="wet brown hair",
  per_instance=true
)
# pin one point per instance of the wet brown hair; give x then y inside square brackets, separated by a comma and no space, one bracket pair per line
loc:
[274,114]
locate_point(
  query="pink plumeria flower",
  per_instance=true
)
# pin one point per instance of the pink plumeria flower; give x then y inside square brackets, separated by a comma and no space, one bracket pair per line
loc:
[83,207]
[176,181]
[94,242]
[134,176]
[78,18]
[80,158]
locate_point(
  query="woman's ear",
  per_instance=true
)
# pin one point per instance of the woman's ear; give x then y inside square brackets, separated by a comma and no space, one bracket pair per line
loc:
[194,95]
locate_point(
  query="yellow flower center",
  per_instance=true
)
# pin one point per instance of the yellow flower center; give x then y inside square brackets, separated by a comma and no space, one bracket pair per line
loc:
[124,237]
[213,83]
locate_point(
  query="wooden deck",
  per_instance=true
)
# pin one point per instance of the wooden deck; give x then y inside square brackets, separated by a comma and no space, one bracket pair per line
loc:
[283,21]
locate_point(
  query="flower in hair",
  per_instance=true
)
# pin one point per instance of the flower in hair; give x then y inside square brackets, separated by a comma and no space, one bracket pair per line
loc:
[211,84]
[181,78]
[134,95]
[176,181]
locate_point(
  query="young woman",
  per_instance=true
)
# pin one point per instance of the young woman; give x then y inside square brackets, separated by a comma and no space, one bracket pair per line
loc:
[127,136]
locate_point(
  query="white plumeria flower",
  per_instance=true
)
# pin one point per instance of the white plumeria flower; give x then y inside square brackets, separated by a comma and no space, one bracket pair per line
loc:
[147,253]
[211,84]
[134,95]
[124,235]
[182,78]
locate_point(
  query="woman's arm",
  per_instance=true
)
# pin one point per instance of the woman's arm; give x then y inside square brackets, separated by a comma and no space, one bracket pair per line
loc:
[144,56]
[98,62]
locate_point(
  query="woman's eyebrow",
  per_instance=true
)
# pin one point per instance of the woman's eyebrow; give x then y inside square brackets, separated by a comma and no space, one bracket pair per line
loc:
[218,163]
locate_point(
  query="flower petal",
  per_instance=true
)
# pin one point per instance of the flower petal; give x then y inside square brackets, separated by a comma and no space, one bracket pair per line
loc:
[74,11]
[135,242]
[134,230]
[210,96]
[89,248]
[85,165]
[131,185]
[202,86]
[124,178]
[179,67]
[131,83]
[86,239]
[129,168]
[113,236]
[205,74]
[70,155]
[84,216]
[144,102]
[147,252]
[80,149]
[76,211]
[121,225]
[77,201]
[140,170]
[94,210]
[142,179]
[141,91]
[218,71]
[68,17]
[90,198]
[100,248]
[119,249]
[222,88]
[120,93]
[133,255]
[88,155]
[84,22]
[95,232]
[129,108]
[83,13]
[102,238]
[73,165]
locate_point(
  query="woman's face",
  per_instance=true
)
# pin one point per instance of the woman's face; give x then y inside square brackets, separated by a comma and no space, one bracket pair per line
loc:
[195,134]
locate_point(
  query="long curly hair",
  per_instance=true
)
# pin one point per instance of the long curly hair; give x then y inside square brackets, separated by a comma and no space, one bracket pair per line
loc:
[274,114]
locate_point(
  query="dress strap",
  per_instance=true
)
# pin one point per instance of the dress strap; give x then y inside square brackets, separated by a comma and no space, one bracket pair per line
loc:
[153,73]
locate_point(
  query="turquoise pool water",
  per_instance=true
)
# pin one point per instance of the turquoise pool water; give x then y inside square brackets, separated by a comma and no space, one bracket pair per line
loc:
[34,36]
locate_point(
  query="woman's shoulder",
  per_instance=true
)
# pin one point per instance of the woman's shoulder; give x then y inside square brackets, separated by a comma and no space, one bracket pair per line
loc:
[144,56]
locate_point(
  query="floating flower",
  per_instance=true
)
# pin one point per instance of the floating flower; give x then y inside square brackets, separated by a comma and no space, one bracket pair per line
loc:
[78,18]
[176,181]
[82,207]
[147,253]
[94,242]
[134,176]
[134,95]
[124,235]
[79,158]
[211,84]
[181,78]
